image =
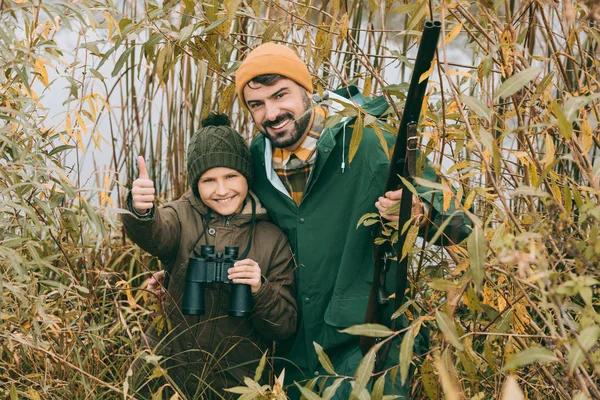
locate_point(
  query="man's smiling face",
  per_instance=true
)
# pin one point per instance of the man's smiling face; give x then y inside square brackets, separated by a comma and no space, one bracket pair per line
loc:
[280,111]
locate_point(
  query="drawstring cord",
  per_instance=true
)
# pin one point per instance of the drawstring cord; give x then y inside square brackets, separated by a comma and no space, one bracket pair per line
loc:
[253,220]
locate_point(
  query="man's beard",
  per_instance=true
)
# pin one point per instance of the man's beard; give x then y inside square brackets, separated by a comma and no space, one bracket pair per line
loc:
[300,126]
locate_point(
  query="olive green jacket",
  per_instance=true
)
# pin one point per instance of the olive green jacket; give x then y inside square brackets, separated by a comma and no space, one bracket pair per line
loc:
[333,254]
[215,348]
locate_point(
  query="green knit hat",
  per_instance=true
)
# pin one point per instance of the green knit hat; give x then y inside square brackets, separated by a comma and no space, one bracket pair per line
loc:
[217,144]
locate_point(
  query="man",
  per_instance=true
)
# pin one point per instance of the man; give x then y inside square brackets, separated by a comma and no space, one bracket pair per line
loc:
[316,197]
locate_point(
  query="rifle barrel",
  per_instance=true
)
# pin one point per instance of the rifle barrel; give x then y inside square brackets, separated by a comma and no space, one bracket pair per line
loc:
[399,166]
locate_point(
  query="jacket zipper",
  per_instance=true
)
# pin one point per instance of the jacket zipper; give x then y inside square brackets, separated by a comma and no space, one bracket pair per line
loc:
[219,296]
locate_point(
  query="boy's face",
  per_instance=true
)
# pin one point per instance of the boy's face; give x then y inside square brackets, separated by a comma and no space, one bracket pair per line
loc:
[223,189]
[279,111]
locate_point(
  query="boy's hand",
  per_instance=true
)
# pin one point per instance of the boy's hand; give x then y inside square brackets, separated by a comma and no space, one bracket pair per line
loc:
[142,189]
[247,272]
[155,284]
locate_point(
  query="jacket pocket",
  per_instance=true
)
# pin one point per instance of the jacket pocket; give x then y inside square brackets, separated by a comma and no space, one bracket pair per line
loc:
[345,312]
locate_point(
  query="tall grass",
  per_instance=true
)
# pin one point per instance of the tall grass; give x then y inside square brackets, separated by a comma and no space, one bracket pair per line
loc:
[513,311]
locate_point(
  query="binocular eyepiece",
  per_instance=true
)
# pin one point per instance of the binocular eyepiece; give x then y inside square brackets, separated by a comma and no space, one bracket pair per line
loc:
[211,267]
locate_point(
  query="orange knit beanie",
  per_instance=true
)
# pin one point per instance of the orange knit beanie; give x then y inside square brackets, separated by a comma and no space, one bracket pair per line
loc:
[272,58]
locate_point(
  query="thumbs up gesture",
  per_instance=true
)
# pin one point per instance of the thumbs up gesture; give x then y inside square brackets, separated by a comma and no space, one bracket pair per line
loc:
[142,189]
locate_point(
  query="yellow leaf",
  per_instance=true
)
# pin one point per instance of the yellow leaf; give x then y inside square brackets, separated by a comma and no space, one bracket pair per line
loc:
[343,27]
[409,243]
[501,303]
[368,86]
[112,24]
[550,151]
[520,319]
[156,373]
[92,109]
[79,141]
[453,34]
[425,103]
[33,394]
[470,199]
[461,267]
[509,351]
[226,98]
[488,295]
[586,132]
[63,138]
[357,132]
[47,26]
[68,124]
[427,73]
[485,161]
[462,73]
[81,122]
[447,197]
[452,107]
[130,298]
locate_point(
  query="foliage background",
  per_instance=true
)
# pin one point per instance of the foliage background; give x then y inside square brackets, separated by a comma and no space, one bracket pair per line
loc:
[512,123]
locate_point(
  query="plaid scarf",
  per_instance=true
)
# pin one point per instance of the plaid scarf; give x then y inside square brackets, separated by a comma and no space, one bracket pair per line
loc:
[294,167]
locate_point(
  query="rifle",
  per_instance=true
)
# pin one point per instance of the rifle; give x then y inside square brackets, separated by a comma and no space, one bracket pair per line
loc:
[403,163]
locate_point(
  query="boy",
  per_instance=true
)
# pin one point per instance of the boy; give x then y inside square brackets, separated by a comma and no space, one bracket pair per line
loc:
[206,354]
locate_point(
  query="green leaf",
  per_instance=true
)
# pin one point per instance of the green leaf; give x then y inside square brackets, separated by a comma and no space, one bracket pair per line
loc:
[365,217]
[477,106]
[402,309]
[364,371]
[324,359]
[121,61]
[574,104]
[405,8]
[564,126]
[240,390]
[329,392]
[186,33]
[61,148]
[587,339]
[378,386]
[409,242]
[406,353]
[369,330]
[432,185]
[446,325]
[476,244]
[307,393]
[261,367]
[442,284]
[516,82]
[429,381]
[214,25]
[529,191]
[529,356]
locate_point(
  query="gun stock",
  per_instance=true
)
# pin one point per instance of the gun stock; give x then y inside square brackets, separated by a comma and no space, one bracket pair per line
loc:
[402,156]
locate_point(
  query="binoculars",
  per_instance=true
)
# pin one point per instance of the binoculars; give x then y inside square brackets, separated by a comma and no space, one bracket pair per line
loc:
[211,267]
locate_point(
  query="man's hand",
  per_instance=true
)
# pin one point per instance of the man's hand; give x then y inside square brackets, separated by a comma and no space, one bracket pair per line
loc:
[142,189]
[393,197]
[155,284]
[246,271]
